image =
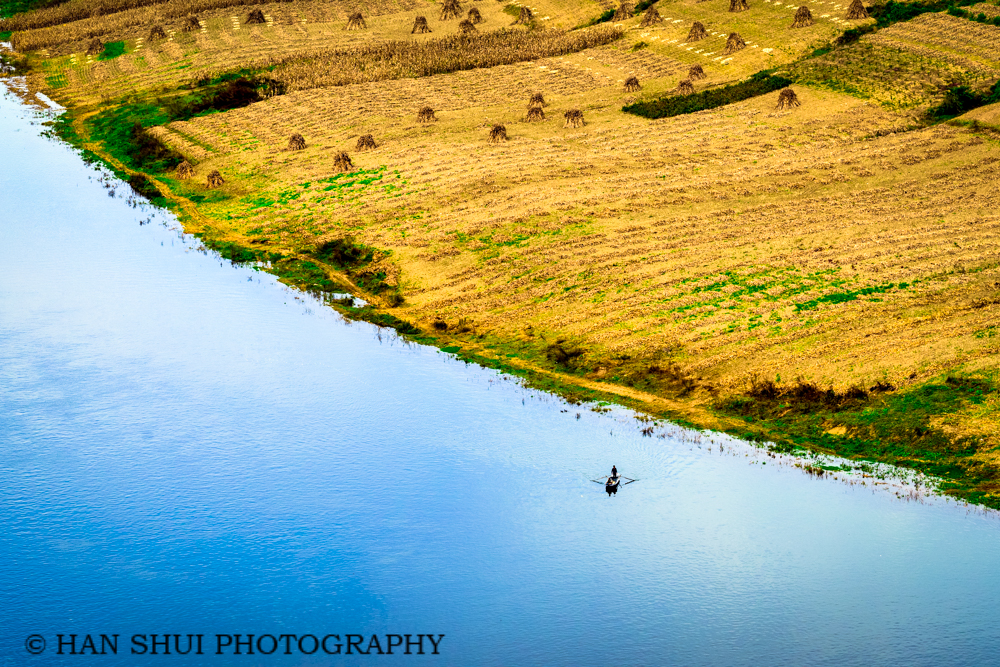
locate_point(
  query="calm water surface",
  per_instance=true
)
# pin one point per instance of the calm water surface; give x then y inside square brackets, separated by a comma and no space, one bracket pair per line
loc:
[189,447]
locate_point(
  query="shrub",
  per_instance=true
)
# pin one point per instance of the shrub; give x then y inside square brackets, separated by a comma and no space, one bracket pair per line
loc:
[676,105]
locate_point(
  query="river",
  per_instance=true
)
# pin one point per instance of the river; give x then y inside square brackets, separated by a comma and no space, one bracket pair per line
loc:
[191,447]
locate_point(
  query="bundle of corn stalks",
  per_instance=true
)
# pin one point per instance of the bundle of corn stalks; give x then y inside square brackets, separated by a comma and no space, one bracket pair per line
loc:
[465,26]
[803,18]
[156,32]
[787,99]
[734,43]
[738,5]
[475,16]
[215,179]
[697,32]
[651,17]
[356,22]
[296,142]
[696,73]
[498,134]
[426,115]
[856,11]
[95,47]
[255,17]
[624,11]
[632,84]
[420,26]
[534,114]
[185,170]
[342,162]
[450,10]
[191,23]
[536,100]
[685,87]
[525,17]
[365,142]
[574,118]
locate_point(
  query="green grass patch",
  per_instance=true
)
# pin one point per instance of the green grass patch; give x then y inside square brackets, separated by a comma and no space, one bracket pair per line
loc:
[112,50]
[675,105]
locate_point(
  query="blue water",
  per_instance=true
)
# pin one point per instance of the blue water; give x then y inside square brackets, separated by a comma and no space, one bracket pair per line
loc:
[190,447]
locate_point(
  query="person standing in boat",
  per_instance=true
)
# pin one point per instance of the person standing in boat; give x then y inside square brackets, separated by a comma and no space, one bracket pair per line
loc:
[614,472]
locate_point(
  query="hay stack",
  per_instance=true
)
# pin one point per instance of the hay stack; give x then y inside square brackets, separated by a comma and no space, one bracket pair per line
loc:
[787,99]
[525,17]
[95,47]
[475,16]
[738,5]
[733,44]
[255,17]
[498,134]
[624,11]
[856,11]
[214,179]
[426,115]
[450,10]
[632,84]
[651,17]
[465,27]
[191,24]
[156,32]
[535,114]
[365,143]
[574,118]
[185,170]
[536,100]
[296,142]
[420,26]
[356,22]
[803,18]
[696,73]
[697,32]
[685,87]
[342,162]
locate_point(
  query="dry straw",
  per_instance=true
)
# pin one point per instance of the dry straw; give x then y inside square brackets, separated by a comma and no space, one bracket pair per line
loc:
[95,47]
[734,43]
[738,5]
[255,17]
[425,115]
[787,99]
[356,22]
[475,16]
[191,24]
[624,12]
[420,26]
[296,142]
[632,84]
[465,26]
[498,134]
[537,100]
[214,179]
[525,17]
[116,14]
[365,142]
[156,32]
[185,170]
[696,73]
[535,114]
[651,17]
[857,11]
[685,87]
[574,118]
[803,18]
[697,32]
[450,10]
[342,162]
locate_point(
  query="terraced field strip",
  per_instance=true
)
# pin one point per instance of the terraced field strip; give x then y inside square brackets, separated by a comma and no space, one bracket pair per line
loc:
[969,45]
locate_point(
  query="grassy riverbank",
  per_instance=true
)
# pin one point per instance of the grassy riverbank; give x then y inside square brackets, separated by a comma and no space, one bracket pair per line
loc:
[820,274]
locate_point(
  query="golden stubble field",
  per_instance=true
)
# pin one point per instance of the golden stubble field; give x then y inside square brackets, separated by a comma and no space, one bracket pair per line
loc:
[839,242]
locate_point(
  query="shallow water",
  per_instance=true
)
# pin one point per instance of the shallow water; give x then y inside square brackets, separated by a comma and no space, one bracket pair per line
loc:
[190,447]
